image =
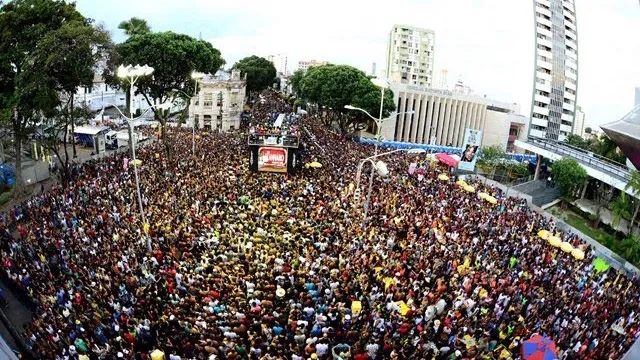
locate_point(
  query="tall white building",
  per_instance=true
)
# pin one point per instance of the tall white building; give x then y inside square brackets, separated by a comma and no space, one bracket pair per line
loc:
[410,53]
[280,63]
[556,70]
[304,65]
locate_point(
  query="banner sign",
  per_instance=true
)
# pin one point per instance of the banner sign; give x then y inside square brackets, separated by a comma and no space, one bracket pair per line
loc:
[470,148]
[272,159]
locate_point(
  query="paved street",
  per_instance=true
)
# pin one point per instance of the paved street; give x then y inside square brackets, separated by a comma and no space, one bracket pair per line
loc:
[18,314]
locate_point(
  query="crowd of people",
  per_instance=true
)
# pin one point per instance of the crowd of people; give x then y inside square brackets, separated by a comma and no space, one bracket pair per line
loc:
[250,265]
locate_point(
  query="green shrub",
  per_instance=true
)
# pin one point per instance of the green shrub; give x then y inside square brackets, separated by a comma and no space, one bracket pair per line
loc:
[5,197]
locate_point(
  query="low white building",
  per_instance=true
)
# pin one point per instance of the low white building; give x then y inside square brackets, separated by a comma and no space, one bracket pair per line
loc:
[220,100]
[101,94]
[440,117]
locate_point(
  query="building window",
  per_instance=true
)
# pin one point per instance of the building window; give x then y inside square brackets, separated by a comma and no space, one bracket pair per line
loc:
[208,101]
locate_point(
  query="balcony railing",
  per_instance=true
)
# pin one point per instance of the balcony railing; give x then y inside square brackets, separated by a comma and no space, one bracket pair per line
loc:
[596,161]
[290,141]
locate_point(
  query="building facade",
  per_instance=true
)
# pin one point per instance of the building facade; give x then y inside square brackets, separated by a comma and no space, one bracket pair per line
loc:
[219,102]
[279,61]
[556,69]
[305,65]
[441,117]
[410,54]
[578,123]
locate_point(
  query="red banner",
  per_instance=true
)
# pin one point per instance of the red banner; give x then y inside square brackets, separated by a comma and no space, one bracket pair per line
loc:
[272,159]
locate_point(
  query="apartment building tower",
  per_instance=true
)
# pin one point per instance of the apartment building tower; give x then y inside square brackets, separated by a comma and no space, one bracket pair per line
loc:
[553,106]
[410,54]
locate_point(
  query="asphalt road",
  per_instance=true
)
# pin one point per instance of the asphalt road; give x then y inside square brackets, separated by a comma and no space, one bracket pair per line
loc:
[18,314]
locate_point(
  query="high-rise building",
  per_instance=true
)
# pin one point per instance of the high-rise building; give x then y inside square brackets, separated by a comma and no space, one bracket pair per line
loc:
[305,65]
[578,123]
[410,53]
[280,63]
[373,69]
[556,69]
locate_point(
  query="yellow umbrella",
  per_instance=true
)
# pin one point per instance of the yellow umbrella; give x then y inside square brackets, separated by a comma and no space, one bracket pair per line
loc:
[461,183]
[566,247]
[482,195]
[554,241]
[315,165]
[137,162]
[491,200]
[544,234]
[469,188]
[578,254]
[443,177]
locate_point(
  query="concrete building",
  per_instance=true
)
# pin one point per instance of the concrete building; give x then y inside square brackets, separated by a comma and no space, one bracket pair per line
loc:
[440,118]
[101,95]
[578,123]
[280,63]
[556,69]
[305,65]
[220,100]
[373,69]
[410,54]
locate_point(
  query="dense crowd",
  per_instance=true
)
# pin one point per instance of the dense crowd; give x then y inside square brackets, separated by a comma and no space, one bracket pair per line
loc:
[268,266]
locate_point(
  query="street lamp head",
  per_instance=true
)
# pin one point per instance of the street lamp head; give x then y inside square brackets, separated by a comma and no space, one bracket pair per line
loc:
[379,82]
[123,71]
[349,107]
[197,75]
[382,169]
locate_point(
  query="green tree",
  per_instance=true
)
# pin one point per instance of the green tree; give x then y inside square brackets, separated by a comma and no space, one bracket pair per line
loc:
[26,90]
[577,141]
[493,152]
[569,175]
[295,81]
[332,87]
[621,208]
[634,186]
[174,57]
[630,249]
[135,26]
[260,72]
[607,148]
[69,56]
[588,130]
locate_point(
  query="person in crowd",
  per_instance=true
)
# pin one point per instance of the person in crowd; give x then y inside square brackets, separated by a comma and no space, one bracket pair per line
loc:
[249,265]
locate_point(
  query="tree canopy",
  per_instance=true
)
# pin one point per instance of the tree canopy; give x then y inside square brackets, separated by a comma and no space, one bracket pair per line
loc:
[296,79]
[174,57]
[601,145]
[135,26]
[260,72]
[569,174]
[334,86]
[47,48]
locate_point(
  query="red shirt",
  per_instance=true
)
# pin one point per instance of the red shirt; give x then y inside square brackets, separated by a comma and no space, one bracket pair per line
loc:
[362,356]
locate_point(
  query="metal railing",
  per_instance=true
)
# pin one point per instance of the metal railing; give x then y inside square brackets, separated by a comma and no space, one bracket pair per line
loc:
[616,169]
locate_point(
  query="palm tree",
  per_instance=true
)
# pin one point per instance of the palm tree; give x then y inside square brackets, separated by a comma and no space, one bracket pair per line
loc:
[135,26]
[621,208]
[634,185]
[630,247]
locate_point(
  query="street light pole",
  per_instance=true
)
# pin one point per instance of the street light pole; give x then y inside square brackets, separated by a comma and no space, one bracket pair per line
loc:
[381,167]
[197,76]
[133,73]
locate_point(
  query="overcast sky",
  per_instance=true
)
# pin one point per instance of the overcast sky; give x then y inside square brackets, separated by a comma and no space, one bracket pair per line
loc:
[489,44]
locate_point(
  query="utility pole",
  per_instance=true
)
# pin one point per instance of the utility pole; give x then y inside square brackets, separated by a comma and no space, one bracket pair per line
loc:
[221,111]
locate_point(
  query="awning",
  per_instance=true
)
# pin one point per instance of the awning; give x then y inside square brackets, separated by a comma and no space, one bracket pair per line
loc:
[447,159]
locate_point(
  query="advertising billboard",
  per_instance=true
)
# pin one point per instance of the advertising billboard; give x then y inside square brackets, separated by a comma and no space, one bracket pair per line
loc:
[470,148]
[273,159]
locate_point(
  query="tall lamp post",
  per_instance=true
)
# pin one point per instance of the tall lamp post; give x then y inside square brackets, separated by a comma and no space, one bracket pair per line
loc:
[381,168]
[132,74]
[378,122]
[197,77]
